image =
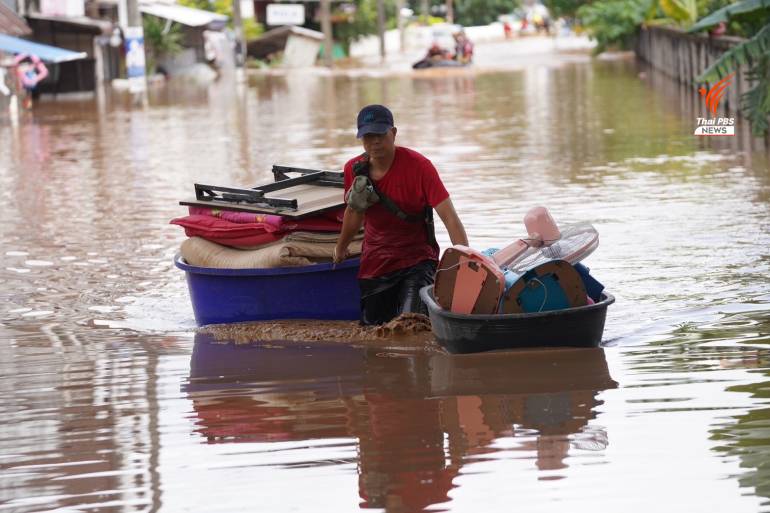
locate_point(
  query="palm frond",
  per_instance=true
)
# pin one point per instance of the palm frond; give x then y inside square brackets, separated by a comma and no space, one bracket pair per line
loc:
[744,53]
[683,11]
[756,106]
[730,11]
[660,22]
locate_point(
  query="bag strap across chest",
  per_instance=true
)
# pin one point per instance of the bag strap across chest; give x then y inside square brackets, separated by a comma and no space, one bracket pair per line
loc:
[362,168]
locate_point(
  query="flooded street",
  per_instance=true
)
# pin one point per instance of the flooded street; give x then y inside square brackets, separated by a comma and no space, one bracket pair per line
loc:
[112,402]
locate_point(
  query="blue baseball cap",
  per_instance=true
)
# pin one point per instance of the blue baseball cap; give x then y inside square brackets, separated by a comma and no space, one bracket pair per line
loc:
[374,119]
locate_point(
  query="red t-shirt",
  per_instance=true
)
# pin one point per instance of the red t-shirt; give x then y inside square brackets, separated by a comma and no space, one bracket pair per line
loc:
[391,244]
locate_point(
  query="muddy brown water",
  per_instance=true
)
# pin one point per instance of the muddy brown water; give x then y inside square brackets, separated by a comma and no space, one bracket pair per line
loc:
[112,402]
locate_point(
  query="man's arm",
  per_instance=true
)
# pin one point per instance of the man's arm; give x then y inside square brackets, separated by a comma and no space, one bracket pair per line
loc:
[446,211]
[351,223]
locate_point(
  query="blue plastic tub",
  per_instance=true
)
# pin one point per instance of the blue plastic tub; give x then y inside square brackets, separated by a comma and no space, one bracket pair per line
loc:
[235,295]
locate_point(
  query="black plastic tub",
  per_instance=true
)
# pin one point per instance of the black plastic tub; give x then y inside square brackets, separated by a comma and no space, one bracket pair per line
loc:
[468,333]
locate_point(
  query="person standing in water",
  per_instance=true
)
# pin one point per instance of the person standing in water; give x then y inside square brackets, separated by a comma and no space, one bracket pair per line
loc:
[392,191]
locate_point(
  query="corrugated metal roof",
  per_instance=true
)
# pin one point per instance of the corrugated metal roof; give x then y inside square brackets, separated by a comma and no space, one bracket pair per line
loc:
[11,23]
[48,53]
[184,15]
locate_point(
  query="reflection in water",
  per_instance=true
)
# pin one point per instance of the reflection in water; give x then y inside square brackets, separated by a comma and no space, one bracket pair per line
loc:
[70,439]
[745,436]
[418,419]
[748,438]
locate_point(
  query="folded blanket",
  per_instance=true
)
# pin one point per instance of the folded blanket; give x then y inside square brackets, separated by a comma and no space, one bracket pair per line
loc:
[318,237]
[203,253]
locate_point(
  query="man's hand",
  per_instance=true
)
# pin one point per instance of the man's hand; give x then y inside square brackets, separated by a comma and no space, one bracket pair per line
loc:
[351,223]
[339,254]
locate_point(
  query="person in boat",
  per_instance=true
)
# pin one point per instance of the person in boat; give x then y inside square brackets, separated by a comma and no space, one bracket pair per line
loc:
[435,52]
[463,48]
[392,191]
[436,56]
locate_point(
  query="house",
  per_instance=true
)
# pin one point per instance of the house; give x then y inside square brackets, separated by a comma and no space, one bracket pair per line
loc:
[198,26]
[10,22]
[78,34]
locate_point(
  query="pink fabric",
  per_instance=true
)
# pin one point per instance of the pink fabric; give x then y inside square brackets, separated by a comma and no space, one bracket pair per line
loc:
[228,233]
[201,217]
[248,217]
[250,234]
[26,80]
[240,217]
[221,227]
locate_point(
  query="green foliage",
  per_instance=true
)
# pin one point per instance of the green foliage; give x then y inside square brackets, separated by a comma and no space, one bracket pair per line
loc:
[564,8]
[613,23]
[197,4]
[218,6]
[683,12]
[432,20]
[351,24]
[480,12]
[161,38]
[755,53]
[708,6]
[745,8]
[756,102]
[361,21]
[252,29]
[222,7]
[748,52]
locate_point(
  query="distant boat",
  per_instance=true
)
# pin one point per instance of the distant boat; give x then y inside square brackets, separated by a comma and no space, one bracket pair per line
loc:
[439,63]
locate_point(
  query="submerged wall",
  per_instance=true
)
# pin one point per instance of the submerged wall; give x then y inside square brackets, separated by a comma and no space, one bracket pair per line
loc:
[684,56]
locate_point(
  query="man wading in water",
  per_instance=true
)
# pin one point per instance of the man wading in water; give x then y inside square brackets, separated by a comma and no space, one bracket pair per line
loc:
[393,191]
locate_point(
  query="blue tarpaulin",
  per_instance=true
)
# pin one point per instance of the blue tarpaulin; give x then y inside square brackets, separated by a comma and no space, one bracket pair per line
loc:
[10,44]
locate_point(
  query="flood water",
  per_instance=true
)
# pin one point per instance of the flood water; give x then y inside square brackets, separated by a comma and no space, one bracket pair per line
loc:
[111,402]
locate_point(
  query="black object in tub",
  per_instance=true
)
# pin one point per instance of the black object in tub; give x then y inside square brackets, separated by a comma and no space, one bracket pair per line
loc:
[468,333]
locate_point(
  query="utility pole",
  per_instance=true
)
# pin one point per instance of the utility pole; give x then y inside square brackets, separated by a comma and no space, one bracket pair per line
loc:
[400,23]
[326,27]
[450,12]
[240,42]
[133,38]
[381,27]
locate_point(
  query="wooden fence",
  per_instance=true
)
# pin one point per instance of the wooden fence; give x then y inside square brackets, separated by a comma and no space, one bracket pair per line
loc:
[682,57]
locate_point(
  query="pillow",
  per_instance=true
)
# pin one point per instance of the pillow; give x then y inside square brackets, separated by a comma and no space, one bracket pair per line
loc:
[222,227]
[212,226]
[239,217]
